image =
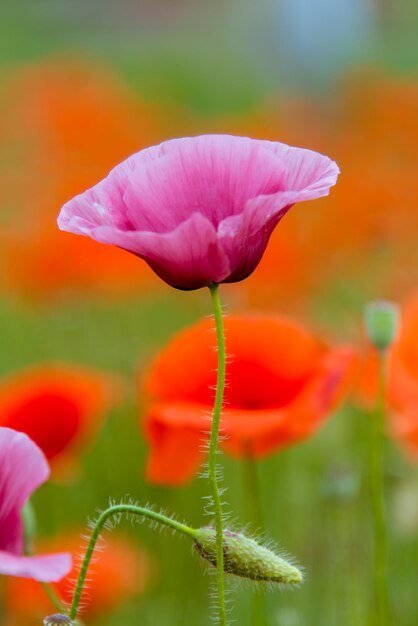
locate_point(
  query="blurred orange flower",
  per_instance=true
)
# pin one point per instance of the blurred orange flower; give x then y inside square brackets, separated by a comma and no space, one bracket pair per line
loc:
[120,571]
[60,407]
[65,123]
[366,229]
[370,222]
[402,381]
[282,384]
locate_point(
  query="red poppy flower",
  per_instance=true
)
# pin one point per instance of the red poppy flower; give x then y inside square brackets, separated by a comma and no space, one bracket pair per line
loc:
[282,384]
[120,572]
[59,407]
[402,381]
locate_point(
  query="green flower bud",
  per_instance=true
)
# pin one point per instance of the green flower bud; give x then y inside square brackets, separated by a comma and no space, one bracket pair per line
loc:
[382,323]
[58,620]
[246,558]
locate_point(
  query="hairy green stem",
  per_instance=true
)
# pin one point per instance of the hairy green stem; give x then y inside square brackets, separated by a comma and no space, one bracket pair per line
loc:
[213,449]
[377,500]
[110,512]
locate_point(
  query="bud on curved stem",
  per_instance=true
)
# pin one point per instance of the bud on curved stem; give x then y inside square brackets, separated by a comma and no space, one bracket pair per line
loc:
[112,511]
[246,558]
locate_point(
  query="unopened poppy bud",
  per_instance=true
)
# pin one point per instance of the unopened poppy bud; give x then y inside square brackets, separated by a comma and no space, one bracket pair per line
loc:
[382,323]
[246,558]
[58,620]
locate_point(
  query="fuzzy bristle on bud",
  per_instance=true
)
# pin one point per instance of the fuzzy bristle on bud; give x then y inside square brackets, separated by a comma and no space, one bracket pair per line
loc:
[58,620]
[381,320]
[246,558]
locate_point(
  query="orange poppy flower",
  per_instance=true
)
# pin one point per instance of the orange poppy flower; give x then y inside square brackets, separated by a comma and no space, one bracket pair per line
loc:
[282,383]
[370,130]
[402,381]
[60,407]
[68,122]
[120,571]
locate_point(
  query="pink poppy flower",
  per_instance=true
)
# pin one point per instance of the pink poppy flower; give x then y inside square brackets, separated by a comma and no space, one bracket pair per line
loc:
[199,210]
[23,468]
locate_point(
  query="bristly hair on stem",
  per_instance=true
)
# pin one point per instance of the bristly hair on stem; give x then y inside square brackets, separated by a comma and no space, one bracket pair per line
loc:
[213,450]
[107,519]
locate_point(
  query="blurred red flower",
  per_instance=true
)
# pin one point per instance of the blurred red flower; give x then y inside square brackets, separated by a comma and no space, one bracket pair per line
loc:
[402,381]
[120,571]
[282,384]
[60,407]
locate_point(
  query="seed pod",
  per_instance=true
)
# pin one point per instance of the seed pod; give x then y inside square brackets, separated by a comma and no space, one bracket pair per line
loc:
[58,620]
[246,558]
[382,323]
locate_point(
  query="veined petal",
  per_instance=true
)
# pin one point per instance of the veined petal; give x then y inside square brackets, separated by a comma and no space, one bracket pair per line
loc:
[199,209]
[305,169]
[213,175]
[245,237]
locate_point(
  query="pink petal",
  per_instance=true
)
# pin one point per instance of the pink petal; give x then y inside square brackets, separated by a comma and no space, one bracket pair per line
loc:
[101,205]
[306,170]
[46,568]
[213,175]
[160,204]
[160,187]
[188,257]
[244,237]
[23,467]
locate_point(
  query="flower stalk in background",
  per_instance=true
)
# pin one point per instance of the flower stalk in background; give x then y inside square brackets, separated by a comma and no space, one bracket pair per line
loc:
[200,212]
[381,322]
[402,379]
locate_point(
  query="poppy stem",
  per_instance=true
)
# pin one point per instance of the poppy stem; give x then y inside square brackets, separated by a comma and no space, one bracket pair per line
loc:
[105,516]
[213,450]
[377,500]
